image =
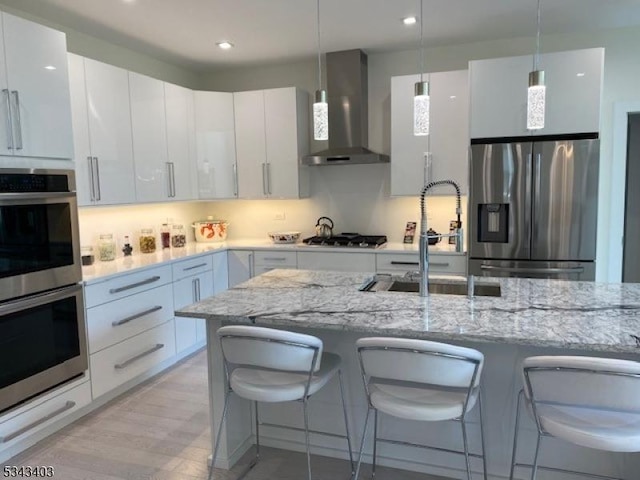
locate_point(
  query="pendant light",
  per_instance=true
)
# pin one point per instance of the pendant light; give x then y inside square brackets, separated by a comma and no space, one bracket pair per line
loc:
[421,99]
[320,107]
[536,95]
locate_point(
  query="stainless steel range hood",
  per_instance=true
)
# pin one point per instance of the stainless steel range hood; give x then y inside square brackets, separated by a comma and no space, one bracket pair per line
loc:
[348,113]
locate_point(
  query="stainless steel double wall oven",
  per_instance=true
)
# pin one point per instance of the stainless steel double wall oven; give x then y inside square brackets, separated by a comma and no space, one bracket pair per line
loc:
[42,328]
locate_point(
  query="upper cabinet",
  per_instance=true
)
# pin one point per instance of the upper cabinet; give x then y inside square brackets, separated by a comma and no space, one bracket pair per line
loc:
[573,91]
[215,145]
[34,83]
[271,135]
[102,132]
[443,154]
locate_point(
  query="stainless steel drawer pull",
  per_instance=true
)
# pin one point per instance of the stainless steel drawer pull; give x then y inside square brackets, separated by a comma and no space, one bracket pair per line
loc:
[117,323]
[492,268]
[16,95]
[126,363]
[134,285]
[9,123]
[194,267]
[275,259]
[403,263]
[438,264]
[67,406]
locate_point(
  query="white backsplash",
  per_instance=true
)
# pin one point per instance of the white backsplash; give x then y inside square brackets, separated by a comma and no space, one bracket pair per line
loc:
[355,197]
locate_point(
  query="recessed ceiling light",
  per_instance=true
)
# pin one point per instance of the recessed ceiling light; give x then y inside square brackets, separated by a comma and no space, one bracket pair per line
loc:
[409,20]
[50,67]
[580,74]
[225,45]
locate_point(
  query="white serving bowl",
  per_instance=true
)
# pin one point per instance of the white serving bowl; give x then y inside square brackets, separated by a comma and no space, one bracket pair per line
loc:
[284,237]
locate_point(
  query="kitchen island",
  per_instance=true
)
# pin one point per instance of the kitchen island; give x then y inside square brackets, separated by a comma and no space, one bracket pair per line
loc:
[532,317]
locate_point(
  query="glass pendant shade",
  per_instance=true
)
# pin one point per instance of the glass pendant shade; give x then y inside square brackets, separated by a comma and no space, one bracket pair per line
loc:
[421,103]
[321,116]
[536,96]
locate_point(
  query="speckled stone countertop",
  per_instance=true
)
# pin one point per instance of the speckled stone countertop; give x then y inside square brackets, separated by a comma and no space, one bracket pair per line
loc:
[545,313]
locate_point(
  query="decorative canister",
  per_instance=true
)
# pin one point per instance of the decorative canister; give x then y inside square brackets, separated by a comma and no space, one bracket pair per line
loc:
[106,247]
[147,240]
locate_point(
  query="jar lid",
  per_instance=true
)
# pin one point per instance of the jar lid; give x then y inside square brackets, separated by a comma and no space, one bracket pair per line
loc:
[106,236]
[146,231]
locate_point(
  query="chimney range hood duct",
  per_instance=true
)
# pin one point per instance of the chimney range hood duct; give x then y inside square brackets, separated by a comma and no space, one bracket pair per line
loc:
[347,91]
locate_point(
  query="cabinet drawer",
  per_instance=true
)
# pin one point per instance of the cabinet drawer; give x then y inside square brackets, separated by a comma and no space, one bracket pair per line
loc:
[34,419]
[120,363]
[125,285]
[338,261]
[116,321]
[192,266]
[260,269]
[276,259]
[400,263]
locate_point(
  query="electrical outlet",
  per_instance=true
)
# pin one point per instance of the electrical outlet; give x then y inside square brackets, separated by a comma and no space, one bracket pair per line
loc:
[279,216]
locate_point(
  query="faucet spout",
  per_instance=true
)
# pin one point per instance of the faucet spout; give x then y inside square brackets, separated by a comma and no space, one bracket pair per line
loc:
[424,241]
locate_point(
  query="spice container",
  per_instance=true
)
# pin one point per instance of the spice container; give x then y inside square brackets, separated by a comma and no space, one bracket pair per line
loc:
[127,249]
[178,236]
[106,248]
[147,240]
[165,236]
[87,256]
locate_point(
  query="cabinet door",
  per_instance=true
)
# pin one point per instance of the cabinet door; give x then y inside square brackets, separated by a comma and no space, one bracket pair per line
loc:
[109,116]
[185,293]
[409,154]
[149,129]
[240,266]
[81,144]
[499,96]
[338,261]
[449,129]
[251,144]
[6,132]
[205,289]
[180,141]
[36,61]
[216,145]
[283,153]
[220,272]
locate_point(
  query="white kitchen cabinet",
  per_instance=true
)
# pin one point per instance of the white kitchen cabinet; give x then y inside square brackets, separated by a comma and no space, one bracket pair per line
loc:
[220,272]
[337,261]
[181,141]
[102,132]
[185,292]
[271,136]
[215,145]
[443,154]
[439,263]
[241,266]
[35,86]
[149,130]
[267,260]
[499,94]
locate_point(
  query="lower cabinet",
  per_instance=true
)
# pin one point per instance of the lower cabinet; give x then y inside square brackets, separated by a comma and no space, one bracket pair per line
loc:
[190,331]
[337,261]
[401,263]
[267,260]
[241,266]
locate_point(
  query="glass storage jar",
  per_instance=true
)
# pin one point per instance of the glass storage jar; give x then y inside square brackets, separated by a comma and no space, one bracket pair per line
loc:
[106,247]
[147,240]
[87,256]
[178,236]
[165,236]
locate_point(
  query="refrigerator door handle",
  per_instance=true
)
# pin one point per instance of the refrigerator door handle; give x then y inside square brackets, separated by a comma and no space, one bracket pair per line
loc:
[535,207]
[492,268]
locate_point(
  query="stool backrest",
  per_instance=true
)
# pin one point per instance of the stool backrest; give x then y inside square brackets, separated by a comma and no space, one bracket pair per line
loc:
[270,348]
[589,382]
[420,361]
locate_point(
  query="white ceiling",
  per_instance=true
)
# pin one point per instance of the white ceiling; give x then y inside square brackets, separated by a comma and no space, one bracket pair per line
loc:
[184,32]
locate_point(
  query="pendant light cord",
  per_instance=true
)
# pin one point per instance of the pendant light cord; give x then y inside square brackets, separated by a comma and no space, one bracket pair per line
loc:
[536,57]
[421,42]
[319,62]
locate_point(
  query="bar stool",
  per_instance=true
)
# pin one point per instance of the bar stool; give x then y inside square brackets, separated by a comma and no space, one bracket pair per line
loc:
[587,401]
[423,381]
[269,365]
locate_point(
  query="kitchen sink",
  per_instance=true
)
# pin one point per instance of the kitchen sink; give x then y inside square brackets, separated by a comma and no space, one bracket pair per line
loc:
[388,283]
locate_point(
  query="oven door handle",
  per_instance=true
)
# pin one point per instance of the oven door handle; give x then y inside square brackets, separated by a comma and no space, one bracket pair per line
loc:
[40,299]
[492,268]
[36,195]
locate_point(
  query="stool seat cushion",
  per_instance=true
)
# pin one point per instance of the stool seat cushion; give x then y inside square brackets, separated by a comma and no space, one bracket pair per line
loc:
[270,386]
[420,403]
[593,428]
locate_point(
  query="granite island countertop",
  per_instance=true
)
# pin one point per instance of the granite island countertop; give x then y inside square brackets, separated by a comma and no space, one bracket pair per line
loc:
[544,313]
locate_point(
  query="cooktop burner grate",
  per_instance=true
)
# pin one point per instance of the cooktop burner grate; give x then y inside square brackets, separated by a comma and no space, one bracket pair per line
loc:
[348,240]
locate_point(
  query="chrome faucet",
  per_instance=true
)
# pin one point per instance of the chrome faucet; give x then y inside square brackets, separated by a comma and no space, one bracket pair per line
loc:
[424,237]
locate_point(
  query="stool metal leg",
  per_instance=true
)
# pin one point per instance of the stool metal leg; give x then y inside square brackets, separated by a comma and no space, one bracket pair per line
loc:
[306,435]
[255,404]
[217,446]
[534,470]
[346,421]
[466,447]
[375,443]
[515,436]
[364,437]
[484,450]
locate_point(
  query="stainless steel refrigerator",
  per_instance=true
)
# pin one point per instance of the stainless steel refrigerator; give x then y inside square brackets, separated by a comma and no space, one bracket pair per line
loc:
[533,208]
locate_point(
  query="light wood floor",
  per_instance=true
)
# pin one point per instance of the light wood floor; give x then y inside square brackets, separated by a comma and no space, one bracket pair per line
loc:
[160,430]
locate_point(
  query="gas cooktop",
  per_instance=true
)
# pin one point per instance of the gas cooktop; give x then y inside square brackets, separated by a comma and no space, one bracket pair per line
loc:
[348,240]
